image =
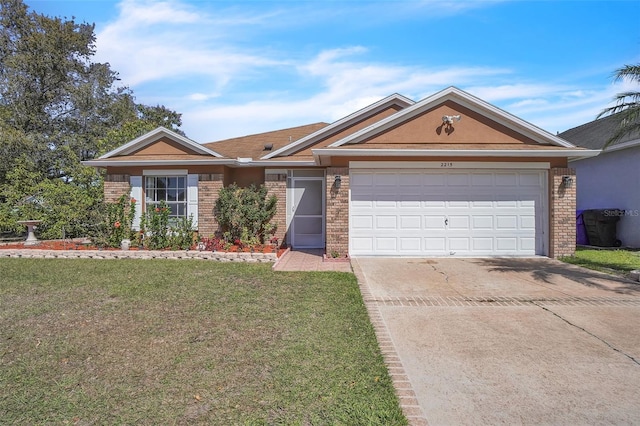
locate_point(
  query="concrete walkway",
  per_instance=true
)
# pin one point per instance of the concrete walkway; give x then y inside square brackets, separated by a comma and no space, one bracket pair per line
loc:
[309,260]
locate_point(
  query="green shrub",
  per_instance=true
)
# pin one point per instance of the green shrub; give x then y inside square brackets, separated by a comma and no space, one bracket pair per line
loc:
[244,214]
[159,231]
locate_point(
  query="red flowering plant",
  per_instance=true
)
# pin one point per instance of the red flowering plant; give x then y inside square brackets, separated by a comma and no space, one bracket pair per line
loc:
[119,220]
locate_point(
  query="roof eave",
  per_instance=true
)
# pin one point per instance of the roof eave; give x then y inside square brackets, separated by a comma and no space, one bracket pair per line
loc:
[204,162]
[504,153]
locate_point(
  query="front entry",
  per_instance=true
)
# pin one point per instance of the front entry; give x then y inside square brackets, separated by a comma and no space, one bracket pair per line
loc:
[306,212]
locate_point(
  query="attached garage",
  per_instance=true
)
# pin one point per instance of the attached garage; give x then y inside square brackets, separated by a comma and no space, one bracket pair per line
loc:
[461,211]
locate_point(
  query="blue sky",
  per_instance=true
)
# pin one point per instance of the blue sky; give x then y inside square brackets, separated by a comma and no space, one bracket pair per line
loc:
[244,67]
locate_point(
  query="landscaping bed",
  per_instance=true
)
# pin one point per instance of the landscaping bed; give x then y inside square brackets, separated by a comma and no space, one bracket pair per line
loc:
[85,245]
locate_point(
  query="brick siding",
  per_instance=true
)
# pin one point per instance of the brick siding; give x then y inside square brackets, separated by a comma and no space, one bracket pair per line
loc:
[562,214]
[115,186]
[276,184]
[209,186]
[337,228]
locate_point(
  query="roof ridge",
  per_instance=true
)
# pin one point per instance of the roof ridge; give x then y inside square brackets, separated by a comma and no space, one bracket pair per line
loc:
[268,132]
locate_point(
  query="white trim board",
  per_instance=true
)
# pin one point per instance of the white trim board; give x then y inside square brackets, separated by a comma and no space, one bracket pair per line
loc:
[447,165]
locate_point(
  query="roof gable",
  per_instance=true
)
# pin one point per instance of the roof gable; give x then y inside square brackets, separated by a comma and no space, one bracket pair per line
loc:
[426,116]
[396,101]
[160,141]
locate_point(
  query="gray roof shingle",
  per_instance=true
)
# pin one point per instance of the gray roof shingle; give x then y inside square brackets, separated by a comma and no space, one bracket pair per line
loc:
[594,135]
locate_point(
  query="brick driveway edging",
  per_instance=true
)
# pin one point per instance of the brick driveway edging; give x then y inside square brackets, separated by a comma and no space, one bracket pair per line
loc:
[406,395]
[140,254]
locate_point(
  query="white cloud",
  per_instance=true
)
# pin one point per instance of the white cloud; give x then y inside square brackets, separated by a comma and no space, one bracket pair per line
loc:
[227,79]
[152,41]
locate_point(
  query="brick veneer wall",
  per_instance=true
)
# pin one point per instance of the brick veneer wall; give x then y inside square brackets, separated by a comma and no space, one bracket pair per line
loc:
[115,186]
[209,186]
[276,184]
[337,229]
[562,217]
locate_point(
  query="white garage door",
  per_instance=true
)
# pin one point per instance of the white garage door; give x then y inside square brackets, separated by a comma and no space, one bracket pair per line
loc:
[456,212]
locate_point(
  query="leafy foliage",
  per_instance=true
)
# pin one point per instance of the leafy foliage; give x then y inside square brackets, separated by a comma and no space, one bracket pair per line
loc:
[58,108]
[160,232]
[121,216]
[627,105]
[244,213]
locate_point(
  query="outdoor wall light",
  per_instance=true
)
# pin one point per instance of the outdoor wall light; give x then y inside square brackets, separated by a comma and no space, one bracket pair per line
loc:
[449,119]
[337,182]
[567,181]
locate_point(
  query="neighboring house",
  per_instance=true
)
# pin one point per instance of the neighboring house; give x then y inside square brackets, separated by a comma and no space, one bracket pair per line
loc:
[450,175]
[612,179]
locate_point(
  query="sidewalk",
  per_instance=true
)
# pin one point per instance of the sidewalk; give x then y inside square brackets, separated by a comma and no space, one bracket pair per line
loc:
[309,260]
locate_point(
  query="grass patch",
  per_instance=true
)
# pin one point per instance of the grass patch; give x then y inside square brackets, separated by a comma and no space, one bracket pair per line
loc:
[618,262]
[186,342]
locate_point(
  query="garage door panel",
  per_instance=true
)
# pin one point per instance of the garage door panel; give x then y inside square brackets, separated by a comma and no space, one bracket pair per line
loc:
[506,222]
[435,245]
[433,180]
[482,204]
[410,244]
[530,179]
[405,204]
[362,222]
[458,204]
[482,179]
[506,203]
[458,179]
[385,204]
[385,179]
[459,244]
[362,244]
[482,244]
[386,222]
[506,244]
[484,223]
[430,204]
[386,244]
[528,222]
[506,179]
[527,244]
[410,222]
[361,179]
[459,222]
[435,222]
[446,213]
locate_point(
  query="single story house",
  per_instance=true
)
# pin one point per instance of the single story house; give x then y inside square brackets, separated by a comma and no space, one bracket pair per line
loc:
[611,180]
[450,175]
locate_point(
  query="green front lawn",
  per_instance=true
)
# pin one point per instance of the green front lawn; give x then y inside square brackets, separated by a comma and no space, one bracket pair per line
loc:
[619,262]
[186,342]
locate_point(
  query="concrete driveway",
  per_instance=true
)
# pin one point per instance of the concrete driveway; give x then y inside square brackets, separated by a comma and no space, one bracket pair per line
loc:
[506,341]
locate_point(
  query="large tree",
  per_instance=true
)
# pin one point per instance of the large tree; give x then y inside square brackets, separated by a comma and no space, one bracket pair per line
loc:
[58,108]
[627,107]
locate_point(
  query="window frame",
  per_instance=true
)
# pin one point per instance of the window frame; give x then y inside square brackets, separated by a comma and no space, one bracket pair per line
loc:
[176,205]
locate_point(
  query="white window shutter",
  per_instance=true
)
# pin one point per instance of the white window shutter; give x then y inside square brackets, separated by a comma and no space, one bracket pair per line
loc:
[136,193]
[192,198]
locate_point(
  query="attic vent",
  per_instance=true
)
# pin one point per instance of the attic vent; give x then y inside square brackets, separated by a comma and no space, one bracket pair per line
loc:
[268,146]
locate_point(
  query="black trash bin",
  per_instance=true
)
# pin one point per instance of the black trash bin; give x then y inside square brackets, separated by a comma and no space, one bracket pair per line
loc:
[601,226]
